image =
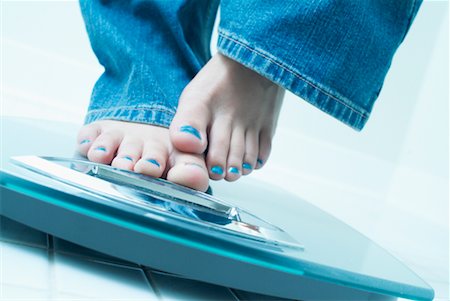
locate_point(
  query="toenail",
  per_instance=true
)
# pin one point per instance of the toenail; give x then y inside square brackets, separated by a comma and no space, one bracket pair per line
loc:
[217,170]
[191,130]
[127,158]
[154,162]
[246,166]
[101,149]
[234,170]
[85,141]
[260,162]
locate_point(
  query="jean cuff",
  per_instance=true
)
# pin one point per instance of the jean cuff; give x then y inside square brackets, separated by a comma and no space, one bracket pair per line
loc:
[148,114]
[307,88]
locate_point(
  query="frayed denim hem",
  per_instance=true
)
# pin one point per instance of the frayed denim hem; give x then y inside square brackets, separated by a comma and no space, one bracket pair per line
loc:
[331,103]
[147,114]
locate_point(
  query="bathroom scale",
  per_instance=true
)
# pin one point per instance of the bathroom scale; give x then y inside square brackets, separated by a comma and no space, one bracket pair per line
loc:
[254,238]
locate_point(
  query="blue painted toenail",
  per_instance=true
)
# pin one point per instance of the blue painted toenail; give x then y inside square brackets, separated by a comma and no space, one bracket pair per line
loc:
[234,170]
[127,158]
[191,130]
[154,162]
[85,141]
[100,148]
[260,161]
[217,170]
[246,166]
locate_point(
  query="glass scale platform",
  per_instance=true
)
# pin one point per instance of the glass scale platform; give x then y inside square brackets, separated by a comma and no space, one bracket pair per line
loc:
[170,228]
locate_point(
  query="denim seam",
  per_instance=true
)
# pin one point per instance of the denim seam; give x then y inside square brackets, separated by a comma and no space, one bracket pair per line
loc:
[131,108]
[409,21]
[124,113]
[209,16]
[299,76]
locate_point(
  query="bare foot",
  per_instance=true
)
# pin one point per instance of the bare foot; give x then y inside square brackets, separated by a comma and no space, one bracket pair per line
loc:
[232,112]
[141,148]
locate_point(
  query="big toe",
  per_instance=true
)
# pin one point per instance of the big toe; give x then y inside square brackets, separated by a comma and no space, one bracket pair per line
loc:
[188,128]
[188,170]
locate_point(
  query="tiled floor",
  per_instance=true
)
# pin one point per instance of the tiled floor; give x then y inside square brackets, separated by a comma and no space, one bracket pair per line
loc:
[62,270]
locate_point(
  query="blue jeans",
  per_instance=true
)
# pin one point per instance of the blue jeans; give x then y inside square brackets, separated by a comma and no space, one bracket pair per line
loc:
[332,53]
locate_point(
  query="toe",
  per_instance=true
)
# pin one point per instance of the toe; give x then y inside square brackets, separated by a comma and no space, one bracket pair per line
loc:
[251,152]
[265,146]
[153,160]
[235,155]
[104,147]
[128,154]
[188,170]
[188,128]
[219,144]
[86,136]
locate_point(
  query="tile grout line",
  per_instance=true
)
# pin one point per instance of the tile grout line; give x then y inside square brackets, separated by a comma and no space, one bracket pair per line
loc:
[233,293]
[50,248]
[51,270]
[22,243]
[151,282]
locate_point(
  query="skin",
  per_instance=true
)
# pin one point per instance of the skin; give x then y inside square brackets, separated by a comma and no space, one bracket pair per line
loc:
[227,112]
[235,111]
[135,146]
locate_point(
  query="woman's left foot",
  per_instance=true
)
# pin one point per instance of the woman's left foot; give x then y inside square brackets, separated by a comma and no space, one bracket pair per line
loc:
[142,148]
[230,111]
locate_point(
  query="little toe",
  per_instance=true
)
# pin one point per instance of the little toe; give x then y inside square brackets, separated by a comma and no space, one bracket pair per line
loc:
[188,128]
[188,170]
[128,154]
[235,155]
[104,147]
[219,144]
[86,136]
[265,146]
[153,160]
[251,152]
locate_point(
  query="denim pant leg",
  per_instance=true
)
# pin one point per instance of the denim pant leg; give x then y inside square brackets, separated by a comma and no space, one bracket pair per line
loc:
[150,51]
[332,53]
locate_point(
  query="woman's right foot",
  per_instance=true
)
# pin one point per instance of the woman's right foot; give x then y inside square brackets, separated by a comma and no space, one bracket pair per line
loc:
[230,111]
[142,148]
